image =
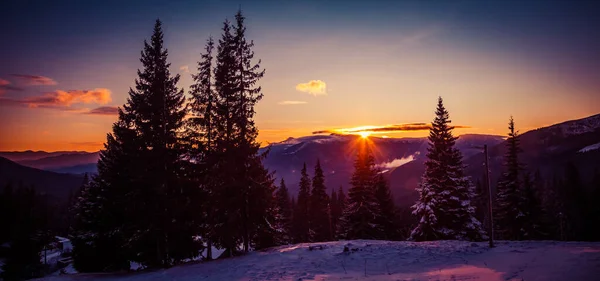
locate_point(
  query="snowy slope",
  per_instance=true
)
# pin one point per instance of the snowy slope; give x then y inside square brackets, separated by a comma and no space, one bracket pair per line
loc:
[384,260]
[590,147]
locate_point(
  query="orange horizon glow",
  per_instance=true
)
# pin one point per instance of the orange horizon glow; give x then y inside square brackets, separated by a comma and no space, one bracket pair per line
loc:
[92,141]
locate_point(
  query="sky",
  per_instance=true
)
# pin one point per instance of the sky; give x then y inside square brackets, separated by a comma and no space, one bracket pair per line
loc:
[66,65]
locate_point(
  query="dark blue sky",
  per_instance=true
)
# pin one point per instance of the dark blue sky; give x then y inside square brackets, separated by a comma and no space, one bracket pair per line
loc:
[471,51]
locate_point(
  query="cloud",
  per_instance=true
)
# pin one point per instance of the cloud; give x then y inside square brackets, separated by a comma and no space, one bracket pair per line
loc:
[62,99]
[34,80]
[313,87]
[420,36]
[291,102]
[104,110]
[5,87]
[384,129]
[67,98]
[185,68]
[396,162]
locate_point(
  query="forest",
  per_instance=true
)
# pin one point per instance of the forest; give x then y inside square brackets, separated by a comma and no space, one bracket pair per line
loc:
[181,174]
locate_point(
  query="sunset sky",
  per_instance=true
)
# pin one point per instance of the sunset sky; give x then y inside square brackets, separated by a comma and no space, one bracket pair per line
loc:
[66,65]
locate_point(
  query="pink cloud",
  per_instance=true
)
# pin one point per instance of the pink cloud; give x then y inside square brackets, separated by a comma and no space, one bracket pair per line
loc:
[104,110]
[34,80]
[60,99]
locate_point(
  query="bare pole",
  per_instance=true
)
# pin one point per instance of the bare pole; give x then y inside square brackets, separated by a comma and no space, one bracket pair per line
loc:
[489,188]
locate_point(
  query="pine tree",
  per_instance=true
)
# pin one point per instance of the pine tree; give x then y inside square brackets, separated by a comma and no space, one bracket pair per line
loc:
[510,201]
[301,213]
[284,206]
[140,190]
[102,210]
[319,219]
[387,216]
[360,215]
[156,106]
[445,193]
[199,141]
[245,193]
[225,171]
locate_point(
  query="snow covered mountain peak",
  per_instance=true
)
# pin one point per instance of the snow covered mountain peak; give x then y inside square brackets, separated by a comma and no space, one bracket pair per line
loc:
[580,126]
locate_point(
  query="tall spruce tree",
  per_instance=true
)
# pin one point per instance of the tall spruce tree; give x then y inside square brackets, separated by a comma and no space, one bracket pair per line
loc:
[140,188]
[510,200]
[387,217]
[445,193]
[319,207]
[156,105]
[224,171]
[301,212]
[245,192]
[199,140]
[361,212]
[103,210]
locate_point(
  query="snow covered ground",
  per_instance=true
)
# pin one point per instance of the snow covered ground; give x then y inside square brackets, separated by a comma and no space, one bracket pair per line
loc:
[385,260]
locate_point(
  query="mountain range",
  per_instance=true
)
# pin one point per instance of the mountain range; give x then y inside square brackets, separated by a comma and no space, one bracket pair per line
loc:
[401,160]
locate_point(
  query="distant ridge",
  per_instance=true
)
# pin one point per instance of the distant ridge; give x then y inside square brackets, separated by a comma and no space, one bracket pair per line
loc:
[56,185]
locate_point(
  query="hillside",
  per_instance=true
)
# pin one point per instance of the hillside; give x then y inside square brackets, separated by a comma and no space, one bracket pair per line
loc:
[64,160]
[17,156]
[550,148]
[53,184]
[387,260]
[395,156]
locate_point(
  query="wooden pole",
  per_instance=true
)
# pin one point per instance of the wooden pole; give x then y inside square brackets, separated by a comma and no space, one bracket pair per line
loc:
[489,188]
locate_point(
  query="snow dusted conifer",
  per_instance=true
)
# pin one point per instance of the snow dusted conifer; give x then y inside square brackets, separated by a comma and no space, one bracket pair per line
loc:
[510,200]
[359,220]
[445,193]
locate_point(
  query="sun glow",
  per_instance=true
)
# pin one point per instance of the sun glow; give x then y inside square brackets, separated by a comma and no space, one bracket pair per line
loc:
[364,134]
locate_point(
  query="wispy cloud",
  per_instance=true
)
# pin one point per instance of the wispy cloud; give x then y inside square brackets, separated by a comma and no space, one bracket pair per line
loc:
[34,80]
[185,68]
[291,102]
[396,162]
[313,87]
[420,36]
[62,99]
[5,86]
[104,110]
[383,129]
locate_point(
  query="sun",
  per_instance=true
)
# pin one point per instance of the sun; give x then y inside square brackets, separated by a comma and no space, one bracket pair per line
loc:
[364,134]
